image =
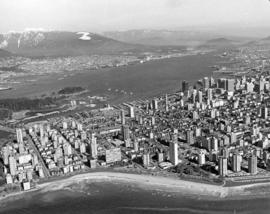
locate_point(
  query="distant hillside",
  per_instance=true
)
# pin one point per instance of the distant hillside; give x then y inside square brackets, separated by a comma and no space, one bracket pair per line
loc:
[4,53]
[220,43]
[260,42]
[160,37]
[58,43]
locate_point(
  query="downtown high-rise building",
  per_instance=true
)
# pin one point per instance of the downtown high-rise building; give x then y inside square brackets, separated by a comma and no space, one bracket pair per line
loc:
[93,146]
[236,162]
[190,137]
[174,152]
[230,84]
[125,132]
[264,112]
[206,83]
[146,159]
[252,164]
[223,166]
[12,165]
[166,103]
[185,86]
[123,118]
[19,135]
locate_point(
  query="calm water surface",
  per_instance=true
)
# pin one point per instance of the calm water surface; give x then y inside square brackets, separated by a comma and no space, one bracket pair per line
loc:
[148,79]
[107,198]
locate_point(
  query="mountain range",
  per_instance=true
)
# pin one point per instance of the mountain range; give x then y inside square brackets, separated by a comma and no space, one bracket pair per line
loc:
[160,37]
[41,43]
[60,43]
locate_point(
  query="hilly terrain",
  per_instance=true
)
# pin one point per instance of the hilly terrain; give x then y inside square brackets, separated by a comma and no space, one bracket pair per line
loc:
[59,43]
[220,43]
[160,37]
[261,42]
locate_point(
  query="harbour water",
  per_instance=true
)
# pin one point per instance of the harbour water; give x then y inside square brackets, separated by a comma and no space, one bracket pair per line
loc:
[143,80]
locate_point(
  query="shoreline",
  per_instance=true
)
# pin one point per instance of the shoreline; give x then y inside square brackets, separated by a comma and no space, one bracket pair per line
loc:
[167,184]
[25,86]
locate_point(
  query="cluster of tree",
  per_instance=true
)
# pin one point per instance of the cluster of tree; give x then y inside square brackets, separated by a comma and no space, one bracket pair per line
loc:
[71,90]
[19,104]
[5,113]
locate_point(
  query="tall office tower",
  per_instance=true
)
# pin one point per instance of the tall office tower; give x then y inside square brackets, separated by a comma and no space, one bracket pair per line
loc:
[65,125]
[153,121]
[201,158]
[200,96]
[236,162]
[206,83]
[194,95]
[125,132]
[12,165]
[19,134]
[123,117]
[155,104]
[136,145]
[93,146]
[264,112]
[190,137]
[261,85]
[5,154]
[174,152]
[223,166]
[166,103]
[146,159]
[252,164]
[230,84]
[131,111]
[185,86]
[214,144]
[210,94]
[73,124]
[212,82]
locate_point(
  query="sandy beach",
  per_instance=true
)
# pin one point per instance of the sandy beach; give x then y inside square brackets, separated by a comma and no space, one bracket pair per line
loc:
[167,184]
[153,182]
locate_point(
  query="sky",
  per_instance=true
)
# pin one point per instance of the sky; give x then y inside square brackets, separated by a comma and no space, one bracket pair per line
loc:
[107,15]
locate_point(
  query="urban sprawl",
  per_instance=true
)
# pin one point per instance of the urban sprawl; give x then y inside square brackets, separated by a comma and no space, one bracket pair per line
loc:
[215,131]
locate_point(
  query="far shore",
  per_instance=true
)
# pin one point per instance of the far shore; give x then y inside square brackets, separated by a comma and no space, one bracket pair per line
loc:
[172,185]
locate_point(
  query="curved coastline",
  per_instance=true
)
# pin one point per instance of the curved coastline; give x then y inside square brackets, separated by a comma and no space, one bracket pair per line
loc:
[172,185]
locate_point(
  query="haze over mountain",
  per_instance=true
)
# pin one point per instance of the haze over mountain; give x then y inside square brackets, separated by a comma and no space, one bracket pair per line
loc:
[265,42]
[171,37]
[220,43]
[159,37]
[60,43]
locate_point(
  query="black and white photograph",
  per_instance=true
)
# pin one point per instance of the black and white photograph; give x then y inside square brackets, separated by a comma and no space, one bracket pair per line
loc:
[134,106]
